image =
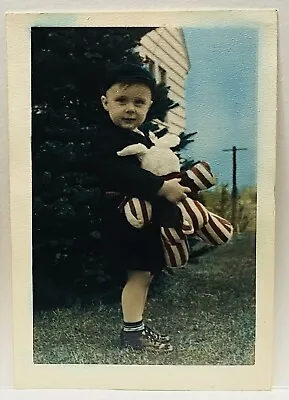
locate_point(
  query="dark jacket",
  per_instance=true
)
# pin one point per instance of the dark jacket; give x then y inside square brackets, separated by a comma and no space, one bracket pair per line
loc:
[123,174]
[126,247]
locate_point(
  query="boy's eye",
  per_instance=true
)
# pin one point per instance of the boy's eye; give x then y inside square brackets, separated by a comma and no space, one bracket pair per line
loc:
[120,100]
[140,102]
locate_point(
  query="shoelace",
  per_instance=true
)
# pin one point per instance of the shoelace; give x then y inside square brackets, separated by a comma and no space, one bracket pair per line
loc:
[154,335]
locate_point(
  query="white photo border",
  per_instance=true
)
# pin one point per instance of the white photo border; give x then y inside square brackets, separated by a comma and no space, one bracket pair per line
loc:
[141,377]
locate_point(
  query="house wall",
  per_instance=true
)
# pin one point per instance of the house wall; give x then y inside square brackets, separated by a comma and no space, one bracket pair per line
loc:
[167,57]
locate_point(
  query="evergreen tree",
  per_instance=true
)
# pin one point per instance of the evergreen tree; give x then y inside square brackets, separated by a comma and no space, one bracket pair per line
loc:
[67,75]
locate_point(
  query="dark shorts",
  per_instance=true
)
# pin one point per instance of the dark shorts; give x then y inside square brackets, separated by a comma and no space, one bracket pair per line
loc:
[128,248]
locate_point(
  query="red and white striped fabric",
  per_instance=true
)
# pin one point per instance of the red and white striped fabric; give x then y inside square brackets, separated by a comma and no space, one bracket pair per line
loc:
[217,231]
[194,214]
[208,226]
[176,247]
[138,212]
[198,177]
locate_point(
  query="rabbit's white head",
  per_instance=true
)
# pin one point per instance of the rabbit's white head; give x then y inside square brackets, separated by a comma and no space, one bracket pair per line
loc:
[158,159]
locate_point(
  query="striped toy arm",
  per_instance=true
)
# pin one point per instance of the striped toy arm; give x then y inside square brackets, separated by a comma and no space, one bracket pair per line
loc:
[138,212]
[198,177]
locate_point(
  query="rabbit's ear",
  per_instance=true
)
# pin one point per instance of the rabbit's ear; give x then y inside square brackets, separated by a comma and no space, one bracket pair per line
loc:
[138,149]
[168,140]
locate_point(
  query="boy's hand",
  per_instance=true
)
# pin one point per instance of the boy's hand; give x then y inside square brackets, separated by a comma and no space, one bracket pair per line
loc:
[173,191]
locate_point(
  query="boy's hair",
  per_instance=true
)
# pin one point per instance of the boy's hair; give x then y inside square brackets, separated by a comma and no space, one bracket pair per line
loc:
[128,73]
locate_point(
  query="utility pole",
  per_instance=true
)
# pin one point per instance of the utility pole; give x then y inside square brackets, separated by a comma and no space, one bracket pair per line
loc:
[234,150]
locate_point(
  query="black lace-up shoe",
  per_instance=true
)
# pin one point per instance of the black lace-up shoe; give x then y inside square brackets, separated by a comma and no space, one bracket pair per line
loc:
[145,339]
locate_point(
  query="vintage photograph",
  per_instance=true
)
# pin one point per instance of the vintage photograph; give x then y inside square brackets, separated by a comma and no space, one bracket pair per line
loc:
[92,272]
[145,189]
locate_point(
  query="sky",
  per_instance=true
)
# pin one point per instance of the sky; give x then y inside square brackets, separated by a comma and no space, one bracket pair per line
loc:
[221,99]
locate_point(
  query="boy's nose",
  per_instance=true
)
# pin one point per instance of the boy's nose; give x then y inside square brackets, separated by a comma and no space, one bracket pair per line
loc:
[130,107]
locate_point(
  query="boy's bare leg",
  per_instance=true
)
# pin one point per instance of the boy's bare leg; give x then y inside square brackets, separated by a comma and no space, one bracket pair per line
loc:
[135,334]
[134,295]
[146,293]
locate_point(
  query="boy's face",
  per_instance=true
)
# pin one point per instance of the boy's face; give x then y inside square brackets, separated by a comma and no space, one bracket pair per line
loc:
[127,104]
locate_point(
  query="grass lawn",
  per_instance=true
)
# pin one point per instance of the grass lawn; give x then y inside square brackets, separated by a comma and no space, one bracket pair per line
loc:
[208,308]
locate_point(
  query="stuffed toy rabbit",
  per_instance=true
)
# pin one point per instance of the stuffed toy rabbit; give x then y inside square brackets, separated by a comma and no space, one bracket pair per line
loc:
[196,219]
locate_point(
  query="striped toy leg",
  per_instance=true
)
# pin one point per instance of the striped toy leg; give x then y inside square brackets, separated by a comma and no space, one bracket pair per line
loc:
[217,231]
[176,247]
[138,212]
[194,214]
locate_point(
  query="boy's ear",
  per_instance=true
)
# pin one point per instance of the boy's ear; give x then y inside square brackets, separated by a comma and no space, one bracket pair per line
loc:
[104,102]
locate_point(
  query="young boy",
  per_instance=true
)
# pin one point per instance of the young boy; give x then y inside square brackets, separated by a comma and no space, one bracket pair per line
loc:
[127,98]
